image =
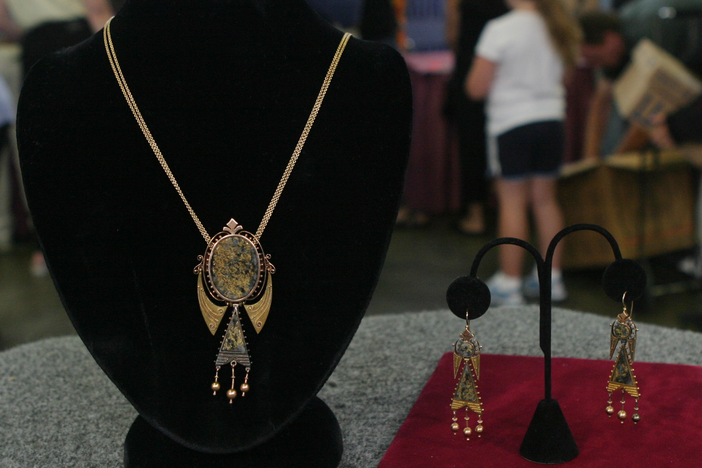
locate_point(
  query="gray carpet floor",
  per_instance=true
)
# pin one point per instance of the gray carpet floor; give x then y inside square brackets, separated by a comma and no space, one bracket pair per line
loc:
[57,408]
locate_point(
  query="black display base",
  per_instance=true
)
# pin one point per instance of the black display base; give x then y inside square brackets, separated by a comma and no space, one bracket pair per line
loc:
[548,439]
[313,439]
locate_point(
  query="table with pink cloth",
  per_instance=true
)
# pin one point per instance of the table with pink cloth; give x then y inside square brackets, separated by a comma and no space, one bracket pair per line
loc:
[433,174]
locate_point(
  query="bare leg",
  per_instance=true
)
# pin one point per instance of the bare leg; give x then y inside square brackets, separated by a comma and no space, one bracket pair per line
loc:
[513,221]
[474,220]
[548,216]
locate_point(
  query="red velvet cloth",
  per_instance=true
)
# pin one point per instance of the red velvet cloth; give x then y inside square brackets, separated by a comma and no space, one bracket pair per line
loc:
[669,433]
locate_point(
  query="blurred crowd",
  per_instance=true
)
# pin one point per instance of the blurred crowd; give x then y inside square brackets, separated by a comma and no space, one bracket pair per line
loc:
[29,30]
[427,31]
[505,93]
[508,91]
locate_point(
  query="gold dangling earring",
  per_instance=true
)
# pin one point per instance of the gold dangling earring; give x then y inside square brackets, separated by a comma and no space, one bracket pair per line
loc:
[466,350]
[622,378]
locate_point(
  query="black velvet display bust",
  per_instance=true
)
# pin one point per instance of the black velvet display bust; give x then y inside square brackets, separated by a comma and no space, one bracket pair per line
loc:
[225,87]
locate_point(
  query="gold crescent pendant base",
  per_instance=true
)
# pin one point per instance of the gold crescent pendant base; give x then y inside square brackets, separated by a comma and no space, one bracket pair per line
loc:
[258,311]
[211,312]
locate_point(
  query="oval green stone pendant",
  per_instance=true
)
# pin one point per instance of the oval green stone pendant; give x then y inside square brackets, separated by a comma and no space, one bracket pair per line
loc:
[234,265]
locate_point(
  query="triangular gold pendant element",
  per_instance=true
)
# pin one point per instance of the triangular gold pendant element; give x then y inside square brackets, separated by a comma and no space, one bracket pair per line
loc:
[457,360]
[466,392]
[258,311]
[211,312]
[476,365]
[623,376]
[233,348]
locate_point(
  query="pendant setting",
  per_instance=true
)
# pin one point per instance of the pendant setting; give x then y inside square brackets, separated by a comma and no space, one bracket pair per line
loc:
[466,352]
[623,334]
[234,273]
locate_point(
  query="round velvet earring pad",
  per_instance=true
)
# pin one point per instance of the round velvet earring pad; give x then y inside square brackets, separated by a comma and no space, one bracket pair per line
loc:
[468,294]
[624,276]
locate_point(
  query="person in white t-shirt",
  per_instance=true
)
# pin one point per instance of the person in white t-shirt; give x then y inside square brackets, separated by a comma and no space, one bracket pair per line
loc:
[519,66]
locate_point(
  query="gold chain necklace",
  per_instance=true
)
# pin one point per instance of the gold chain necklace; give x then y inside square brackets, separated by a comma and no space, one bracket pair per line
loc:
[234,272]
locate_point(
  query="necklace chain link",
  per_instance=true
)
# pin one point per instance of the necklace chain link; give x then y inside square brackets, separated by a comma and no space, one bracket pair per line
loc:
[114,63]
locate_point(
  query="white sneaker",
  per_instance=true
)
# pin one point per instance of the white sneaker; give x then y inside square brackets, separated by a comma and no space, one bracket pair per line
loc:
[559,293]
[691,265]
[558,289]
[505,290]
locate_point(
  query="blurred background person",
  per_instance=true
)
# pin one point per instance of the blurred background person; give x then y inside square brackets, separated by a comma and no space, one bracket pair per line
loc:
[378,22]
[465,21]
[7,119]
[342,14]
[605,48]
[45,26]
[682,131]
[432,180]
[609,37]
[520,62]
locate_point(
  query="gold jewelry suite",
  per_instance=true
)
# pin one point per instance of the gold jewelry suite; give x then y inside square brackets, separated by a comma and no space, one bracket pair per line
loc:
[466,352]
[623,335]
[234,272]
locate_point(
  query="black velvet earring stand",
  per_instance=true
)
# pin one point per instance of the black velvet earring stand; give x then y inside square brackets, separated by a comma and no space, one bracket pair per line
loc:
[548,438]
[225,87]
